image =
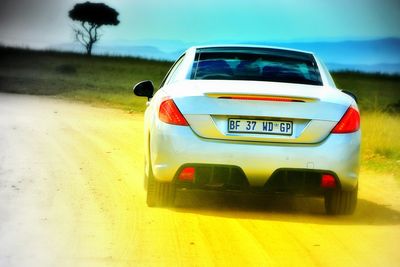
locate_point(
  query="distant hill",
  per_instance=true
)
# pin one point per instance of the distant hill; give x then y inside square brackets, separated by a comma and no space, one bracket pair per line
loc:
[143,51]
[382,68]
[381,55]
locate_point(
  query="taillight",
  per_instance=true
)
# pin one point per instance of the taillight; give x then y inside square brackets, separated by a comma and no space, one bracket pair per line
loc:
[278,99]
[328,181]
[187,174]
[169,113]
[349,123]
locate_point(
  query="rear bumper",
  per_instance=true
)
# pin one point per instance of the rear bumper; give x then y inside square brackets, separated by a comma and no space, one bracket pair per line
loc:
[174,146]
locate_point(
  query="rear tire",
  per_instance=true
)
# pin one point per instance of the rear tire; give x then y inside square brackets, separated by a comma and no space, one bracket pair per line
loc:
[159,193]
[341,202]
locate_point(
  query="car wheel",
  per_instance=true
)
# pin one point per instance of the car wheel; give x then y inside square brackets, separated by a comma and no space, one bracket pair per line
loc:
[341,202]
[159,193]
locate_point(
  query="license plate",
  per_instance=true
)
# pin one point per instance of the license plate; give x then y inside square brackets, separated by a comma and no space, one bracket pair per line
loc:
[260,126]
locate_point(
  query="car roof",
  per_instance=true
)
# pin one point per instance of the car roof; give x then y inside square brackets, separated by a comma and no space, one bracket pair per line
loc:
[247,46]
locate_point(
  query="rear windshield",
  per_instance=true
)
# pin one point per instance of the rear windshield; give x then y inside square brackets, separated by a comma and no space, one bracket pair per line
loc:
[255,64]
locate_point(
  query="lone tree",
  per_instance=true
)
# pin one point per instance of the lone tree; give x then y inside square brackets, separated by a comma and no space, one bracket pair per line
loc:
[91,17]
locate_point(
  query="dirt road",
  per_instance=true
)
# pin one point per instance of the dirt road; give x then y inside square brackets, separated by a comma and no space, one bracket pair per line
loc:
[71,194]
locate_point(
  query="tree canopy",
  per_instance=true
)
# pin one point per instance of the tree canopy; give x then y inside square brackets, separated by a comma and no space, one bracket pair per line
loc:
[94,13]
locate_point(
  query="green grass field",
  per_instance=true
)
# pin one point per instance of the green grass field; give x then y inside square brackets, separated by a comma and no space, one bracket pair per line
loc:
[108,81]
[101,80]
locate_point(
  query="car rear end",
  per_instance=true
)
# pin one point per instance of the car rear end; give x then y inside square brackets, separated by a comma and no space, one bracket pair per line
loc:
[287,132]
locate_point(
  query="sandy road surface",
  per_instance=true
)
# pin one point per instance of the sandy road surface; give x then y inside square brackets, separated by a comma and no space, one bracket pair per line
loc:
[71,194]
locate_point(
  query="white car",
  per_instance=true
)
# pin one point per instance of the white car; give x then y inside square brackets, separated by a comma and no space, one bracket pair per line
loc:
[251,119]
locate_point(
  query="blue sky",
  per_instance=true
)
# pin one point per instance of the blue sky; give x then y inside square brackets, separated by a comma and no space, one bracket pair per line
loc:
[41,23]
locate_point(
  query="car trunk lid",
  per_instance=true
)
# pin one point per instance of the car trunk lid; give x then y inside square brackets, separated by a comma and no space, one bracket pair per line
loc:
[312,111]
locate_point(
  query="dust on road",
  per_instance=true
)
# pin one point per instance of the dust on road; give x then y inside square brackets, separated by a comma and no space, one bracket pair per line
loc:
[71,194]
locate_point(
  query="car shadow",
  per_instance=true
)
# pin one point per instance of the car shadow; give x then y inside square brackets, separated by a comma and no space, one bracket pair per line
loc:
[281,208]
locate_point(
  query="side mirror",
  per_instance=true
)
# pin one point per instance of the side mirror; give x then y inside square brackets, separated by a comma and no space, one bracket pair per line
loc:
[350,94]
[145,88]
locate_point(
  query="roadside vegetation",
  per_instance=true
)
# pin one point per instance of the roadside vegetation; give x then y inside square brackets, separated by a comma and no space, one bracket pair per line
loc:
[108,81]
[103,80]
